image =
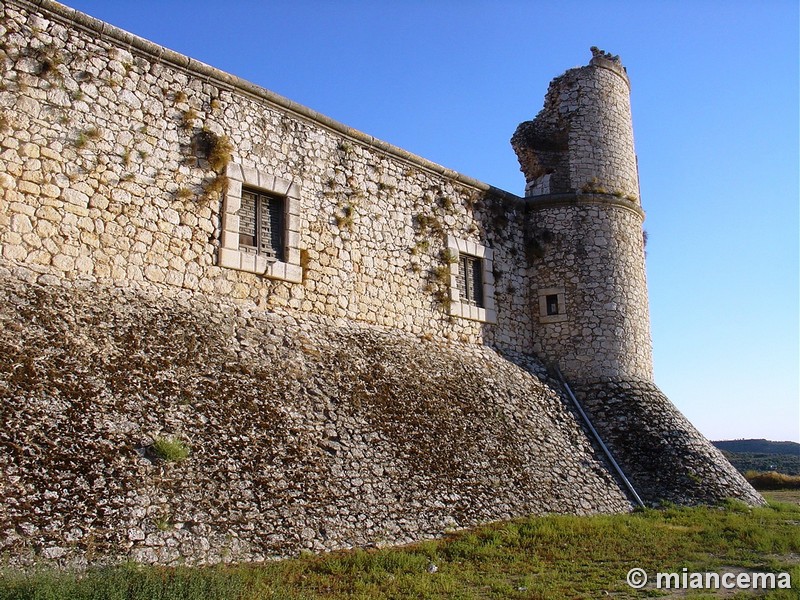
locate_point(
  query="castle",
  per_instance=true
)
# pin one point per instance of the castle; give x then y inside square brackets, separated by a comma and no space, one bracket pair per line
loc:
[355,345]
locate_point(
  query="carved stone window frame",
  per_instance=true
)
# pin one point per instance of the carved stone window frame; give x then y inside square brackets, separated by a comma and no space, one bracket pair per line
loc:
[561,316]
[230,256]
[488,312]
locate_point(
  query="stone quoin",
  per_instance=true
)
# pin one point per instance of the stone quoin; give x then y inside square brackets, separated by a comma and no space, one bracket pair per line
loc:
[355,346]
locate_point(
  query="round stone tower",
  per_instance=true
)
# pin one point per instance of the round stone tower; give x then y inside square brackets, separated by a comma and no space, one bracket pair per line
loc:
[584,230]
[585,250]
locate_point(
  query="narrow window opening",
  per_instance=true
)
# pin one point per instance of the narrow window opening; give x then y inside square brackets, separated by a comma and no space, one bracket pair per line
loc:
[470,280]
[261,224]
[552,304]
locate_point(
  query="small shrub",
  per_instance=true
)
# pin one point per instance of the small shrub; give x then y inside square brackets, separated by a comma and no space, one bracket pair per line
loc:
[93,133]
[188,118]
[449,256]
[425,222]
[48,63]
[344,222]
[772,480]
[443,297]
[216,187]
[183,193]
[593,187]
[345,219]
[533,250]
[219,154]
[170,449]
[441,275]
[471,200]
[179,97]
[420,247]
[446,203]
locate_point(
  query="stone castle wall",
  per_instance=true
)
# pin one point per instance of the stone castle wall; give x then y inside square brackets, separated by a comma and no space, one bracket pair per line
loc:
[107,176]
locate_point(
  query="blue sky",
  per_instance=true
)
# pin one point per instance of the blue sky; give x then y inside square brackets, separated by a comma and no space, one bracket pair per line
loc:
[715,108]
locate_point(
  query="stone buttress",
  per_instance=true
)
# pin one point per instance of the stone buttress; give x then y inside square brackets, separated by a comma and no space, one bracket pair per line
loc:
[584,243]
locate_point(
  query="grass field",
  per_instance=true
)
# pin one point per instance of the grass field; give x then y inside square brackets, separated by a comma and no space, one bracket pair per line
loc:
[549,557]
[791,496]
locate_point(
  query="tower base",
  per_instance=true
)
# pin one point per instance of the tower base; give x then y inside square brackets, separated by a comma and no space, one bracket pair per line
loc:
[663,455]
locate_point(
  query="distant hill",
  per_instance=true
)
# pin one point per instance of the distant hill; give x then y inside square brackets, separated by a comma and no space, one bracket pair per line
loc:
[759,446]
[762,455]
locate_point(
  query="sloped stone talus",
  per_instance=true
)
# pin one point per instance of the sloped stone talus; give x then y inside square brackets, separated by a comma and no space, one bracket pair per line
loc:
[659,450]
[303,434]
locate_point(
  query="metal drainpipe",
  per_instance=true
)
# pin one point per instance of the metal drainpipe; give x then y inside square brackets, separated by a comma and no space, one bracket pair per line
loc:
[597,437]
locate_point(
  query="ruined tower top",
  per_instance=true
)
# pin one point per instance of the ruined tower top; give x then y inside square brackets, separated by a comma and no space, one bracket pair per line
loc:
[582,139]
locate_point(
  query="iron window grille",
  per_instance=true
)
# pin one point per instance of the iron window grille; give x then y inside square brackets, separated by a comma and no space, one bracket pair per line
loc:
[470,280]
[261,224]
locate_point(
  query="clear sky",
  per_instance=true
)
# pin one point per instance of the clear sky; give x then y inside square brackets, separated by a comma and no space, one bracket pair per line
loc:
[715,109]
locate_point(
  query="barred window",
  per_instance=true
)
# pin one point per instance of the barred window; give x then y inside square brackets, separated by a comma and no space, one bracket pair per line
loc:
[261,224]
[470,280]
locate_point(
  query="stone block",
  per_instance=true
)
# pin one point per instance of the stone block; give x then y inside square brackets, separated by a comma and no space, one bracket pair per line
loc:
[229,258]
